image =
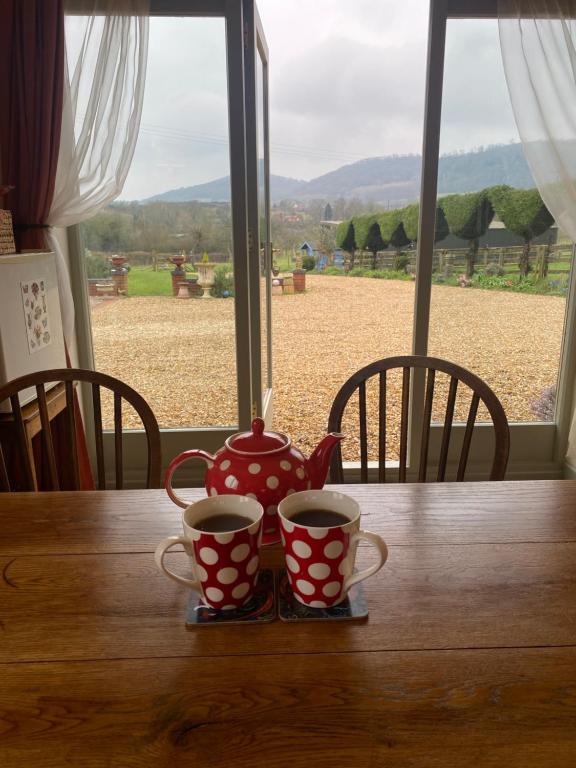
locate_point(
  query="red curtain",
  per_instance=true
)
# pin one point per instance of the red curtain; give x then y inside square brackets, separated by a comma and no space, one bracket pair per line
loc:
[31,77]
[31,93]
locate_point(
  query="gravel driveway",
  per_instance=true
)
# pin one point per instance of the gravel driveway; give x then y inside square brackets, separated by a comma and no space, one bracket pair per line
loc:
[179,354]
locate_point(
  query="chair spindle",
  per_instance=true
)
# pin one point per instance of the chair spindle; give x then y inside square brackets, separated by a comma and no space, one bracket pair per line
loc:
[447,431]
[382,429]
[71,419]
[427,418]
[363,433]
[98,436]
[118,440]
[22,443]
[4,479]
[47,442]
[468,437]
[404,424]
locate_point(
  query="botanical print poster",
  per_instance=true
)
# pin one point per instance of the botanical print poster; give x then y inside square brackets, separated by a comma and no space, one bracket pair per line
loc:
[36,314]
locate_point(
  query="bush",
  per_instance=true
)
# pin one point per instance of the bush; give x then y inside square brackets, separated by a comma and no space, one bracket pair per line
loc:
[392,229]
[401,261]
[334,271]
[97,265]
[378,274]
[308,262]
[494,270]
[223,281]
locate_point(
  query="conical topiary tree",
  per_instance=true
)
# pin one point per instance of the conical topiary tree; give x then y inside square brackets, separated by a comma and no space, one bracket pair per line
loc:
[361,227]
[468,217]
[392,230]
[524,213]
[346,239]
[367,233]
[410,218]
[375,242]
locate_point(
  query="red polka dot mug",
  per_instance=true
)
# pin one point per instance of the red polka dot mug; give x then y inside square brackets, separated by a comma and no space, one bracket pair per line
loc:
[224,563]
[261,465]
[320,558]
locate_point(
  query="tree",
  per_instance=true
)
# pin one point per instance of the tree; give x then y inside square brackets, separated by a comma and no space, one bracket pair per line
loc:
[367,235]
[346,239]
[374,242]
[326,240]
[410,217]
[328,212]
[392,231]
[468,217]
[110,230]
[524,213]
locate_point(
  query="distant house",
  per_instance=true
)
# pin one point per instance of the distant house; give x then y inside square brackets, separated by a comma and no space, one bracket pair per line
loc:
[307,248]
[288,218]
[497,236]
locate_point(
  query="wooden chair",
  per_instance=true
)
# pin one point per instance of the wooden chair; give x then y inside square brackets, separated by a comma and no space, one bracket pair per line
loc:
[44,410]
[481,392]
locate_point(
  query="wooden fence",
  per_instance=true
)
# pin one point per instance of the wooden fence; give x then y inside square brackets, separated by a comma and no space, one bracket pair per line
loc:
[544,259]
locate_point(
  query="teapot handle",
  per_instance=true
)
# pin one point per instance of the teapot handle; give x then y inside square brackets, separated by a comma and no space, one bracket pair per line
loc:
[180,459]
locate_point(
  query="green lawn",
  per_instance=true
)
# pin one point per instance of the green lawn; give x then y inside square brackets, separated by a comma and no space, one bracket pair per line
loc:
[143,281]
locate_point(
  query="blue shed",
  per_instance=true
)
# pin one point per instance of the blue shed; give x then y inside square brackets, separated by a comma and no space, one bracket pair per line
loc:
[308,248]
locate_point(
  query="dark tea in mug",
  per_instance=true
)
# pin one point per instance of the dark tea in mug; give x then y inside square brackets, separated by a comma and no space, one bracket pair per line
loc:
[319,518]
[224,523]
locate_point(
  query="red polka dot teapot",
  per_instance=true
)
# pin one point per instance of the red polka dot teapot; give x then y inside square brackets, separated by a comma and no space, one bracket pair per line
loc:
[262,465]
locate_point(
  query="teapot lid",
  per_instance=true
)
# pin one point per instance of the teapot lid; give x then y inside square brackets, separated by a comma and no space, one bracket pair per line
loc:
[258,441]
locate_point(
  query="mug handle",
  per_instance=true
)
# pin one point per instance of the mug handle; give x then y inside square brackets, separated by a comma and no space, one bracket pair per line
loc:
[193,454]
[378,544]
[161,550]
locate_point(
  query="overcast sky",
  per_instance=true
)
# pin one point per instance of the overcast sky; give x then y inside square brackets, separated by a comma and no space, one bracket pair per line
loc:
[346,82]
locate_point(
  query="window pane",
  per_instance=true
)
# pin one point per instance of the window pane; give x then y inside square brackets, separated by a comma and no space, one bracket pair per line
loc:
[346,107]
[150,326]
[501,274]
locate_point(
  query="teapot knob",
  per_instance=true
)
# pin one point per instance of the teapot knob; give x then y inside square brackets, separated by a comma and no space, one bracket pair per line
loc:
[258,427]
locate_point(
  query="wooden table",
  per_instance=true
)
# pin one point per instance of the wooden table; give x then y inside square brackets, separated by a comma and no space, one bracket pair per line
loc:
[468,657]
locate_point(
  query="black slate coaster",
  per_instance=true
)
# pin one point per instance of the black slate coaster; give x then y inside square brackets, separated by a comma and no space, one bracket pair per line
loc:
[260,609]
[290,609]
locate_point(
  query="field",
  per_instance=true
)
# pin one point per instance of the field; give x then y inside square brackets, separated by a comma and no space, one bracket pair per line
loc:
[180,353]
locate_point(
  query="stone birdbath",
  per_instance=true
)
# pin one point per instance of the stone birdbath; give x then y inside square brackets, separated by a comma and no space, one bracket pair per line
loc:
[205,271]
[178,274]
[119,274]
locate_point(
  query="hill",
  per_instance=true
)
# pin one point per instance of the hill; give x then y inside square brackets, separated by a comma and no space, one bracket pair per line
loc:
[218,190]
[392,180]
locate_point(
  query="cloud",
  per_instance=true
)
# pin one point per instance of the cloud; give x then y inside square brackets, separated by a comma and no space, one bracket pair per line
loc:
[476,107]
[346,82]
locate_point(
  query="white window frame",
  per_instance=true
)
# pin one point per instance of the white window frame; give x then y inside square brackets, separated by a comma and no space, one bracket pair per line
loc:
[537,449]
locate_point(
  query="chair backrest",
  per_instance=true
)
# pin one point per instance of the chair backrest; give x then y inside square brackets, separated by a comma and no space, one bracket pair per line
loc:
[481,393]
[67,377]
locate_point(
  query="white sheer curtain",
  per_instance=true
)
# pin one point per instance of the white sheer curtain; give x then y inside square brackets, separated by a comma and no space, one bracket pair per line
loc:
[538,43]
[105,71]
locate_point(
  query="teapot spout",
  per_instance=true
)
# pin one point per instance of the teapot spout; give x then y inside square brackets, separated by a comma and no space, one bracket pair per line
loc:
[319,461]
